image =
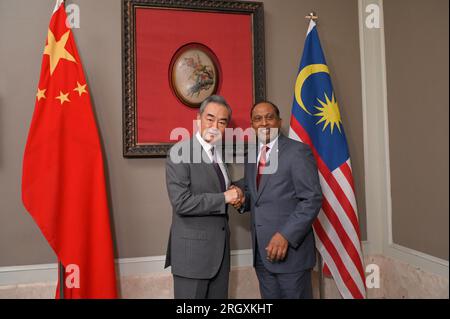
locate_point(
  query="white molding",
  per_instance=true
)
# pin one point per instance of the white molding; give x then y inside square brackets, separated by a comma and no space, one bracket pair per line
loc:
[141,265]
[388,216]
[390,248]
[419,259]
[366,249]
[376,151]
[374,127]
[242,258]
[16,275]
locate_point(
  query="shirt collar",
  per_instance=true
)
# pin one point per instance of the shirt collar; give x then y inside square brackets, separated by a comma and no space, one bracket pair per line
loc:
[206,146]
[270,145]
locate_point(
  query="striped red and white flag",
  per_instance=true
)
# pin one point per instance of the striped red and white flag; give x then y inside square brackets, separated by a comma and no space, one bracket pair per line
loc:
[316,121]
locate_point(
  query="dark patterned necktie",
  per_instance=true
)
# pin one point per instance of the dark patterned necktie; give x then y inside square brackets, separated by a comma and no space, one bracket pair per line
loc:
[218,171]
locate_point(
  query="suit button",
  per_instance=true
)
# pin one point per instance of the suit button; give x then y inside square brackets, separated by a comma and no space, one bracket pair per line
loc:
[223,228]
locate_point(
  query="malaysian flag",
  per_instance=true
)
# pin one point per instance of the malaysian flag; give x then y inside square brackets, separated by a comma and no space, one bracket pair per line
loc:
[316,121]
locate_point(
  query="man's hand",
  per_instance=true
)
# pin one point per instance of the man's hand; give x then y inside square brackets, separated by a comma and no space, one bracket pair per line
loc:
[277,248]
[241,197]
[232,196]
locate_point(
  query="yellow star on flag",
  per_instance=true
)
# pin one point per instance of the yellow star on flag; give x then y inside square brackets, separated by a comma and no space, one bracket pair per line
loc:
[63,97]
[81,88]
[41,94]
[56,50]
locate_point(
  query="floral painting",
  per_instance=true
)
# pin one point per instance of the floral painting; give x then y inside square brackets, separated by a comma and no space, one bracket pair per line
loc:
[194,74]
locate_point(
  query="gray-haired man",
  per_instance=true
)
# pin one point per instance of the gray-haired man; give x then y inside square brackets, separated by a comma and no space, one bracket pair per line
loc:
[199,248]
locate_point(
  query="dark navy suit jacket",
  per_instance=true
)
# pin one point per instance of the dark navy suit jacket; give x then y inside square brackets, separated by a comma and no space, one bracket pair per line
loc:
[287,201]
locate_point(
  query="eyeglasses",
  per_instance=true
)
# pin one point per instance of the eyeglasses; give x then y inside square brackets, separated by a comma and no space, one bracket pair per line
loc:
[267,117]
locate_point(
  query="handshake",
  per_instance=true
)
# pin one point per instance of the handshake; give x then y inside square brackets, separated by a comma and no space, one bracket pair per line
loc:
[234,196]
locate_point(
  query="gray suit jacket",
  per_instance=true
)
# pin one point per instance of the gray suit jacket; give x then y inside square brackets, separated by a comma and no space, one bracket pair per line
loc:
[199,228]
[287,201]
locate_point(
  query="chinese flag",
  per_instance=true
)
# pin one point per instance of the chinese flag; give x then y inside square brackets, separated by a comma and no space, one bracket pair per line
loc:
[63,182]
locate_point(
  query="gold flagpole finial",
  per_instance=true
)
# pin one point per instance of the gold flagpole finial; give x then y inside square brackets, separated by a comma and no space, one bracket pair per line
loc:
[312,16]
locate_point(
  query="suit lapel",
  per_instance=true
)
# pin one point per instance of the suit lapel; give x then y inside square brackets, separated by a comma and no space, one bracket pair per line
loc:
[276,150]
[252,178]
[222,156]
[227,172]
[206,162]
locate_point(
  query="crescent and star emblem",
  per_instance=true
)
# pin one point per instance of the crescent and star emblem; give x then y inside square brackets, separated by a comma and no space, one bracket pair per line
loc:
[329,112]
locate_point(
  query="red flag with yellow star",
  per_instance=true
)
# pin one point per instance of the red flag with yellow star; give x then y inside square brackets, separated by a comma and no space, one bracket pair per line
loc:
[63,182]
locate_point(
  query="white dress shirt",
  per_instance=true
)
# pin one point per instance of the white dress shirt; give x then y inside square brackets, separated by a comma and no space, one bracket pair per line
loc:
[207,147]
[270,145]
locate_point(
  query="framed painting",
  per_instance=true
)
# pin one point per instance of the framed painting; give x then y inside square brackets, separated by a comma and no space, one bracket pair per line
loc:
[177,53]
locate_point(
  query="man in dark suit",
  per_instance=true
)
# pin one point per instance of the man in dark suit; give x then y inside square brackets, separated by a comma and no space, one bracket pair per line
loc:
[197,182]
[283,193]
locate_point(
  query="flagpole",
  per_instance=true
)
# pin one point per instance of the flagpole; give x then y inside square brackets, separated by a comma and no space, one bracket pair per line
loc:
[61,280]
[312,16]
[321,277]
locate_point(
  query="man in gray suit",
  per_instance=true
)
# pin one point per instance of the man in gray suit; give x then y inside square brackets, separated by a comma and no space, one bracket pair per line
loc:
[283,193]
[197,182]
